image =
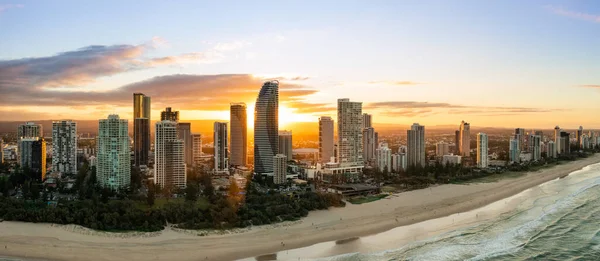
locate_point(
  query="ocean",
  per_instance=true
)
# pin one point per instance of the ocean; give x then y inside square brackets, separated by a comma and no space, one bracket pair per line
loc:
[558,220]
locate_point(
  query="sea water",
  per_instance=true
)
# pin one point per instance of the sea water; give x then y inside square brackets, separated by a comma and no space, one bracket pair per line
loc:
[558,220]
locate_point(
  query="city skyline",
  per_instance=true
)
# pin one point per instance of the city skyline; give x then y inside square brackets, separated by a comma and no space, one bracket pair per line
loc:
[469,74]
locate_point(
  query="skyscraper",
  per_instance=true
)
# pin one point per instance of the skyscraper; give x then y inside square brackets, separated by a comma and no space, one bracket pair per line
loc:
[457,142]
[416,145]
[279,169]
[350,150]
[169,115]
[367,121]
[197,148]
[184,130]
[64,147]
[141,128]
[578,135]
[551,150]
[520,135]
[326,143]
[535,147]
[514,151]
[169,164]
[32,154]
[369,144]
[384,157]
[30,130]
[239,134]
[266,127]
[565,142]
[1,150]
[465,139]
[557,139]
[220,144]
[285,143]
[441,149]
[482,150]
[113,157]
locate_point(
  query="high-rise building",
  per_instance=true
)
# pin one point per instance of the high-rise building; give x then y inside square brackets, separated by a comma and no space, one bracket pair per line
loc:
[169,115]
[578,135]
[141,141]
[64,147]
[285,144]
[326,139]
[1,150]
[266,127]
[482,150]
[30,130]
[557,142]
[197,148]
[184,130]
[239,134]
[565,142]
[465,139]
[416,145]
[279,169]
[585,142]
[384,157]
[442,148]
[551,150]
[368,144]
[399,162]
[141,128]
[169,163]
[522,137]
[457,142]
[514,151]
[367,121]
[541,134]
[113,158]
[350,150]
[535,147]
[32,151]
[220,144]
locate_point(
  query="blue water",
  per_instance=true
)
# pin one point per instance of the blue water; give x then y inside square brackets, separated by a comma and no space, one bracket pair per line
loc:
[559,220]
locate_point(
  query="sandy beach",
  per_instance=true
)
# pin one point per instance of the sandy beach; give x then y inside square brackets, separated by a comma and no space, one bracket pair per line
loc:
[56,242]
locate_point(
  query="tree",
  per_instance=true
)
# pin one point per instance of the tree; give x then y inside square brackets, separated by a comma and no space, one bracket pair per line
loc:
[209,189]
[151,196]
[35,191]
[191,192]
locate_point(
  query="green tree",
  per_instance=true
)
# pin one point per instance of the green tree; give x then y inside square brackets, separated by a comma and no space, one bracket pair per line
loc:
[191,192]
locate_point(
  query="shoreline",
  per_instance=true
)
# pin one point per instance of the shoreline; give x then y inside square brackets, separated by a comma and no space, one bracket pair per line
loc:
[48,242]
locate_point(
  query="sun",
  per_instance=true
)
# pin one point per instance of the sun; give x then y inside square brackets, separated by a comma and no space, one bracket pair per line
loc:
[286,116]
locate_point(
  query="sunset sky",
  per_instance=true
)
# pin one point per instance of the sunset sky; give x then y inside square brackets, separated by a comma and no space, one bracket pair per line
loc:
[493,63]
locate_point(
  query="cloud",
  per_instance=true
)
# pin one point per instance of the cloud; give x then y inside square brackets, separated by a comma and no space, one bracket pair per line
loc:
[573,14]
[416,108]
[591,86]
[394,82]
[10,6]
[231,46]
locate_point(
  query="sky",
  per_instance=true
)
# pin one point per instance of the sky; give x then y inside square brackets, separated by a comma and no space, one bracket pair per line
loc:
[492,63]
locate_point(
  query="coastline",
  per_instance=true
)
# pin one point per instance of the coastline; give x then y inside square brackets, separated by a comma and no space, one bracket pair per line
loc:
[51,242]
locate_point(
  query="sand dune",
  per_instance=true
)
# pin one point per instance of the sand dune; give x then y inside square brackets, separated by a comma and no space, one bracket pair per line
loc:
[53,242]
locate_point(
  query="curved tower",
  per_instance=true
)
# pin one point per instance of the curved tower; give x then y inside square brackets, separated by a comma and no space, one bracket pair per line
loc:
[266,127]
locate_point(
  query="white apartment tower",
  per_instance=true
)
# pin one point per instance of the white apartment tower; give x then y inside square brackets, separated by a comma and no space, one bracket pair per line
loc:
[113,157]
[367,121]
[64,147]
[416,145]
[220,144]
[197,148]
[169,164]
[350,151]
[482,150]
[279,169]
[535,147]
[465,139]
[384,158]
[442,148]
[285,143]
[326,139]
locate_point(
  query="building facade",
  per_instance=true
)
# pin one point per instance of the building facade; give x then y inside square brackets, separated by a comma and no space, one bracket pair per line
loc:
[113,157]
[64,147]
[399,162]
[220,144]
[350,149]
[238,121]
[169,162]
[266,128]
[326,139]
[141,128]
[514,151]
[384,158]
[30,130]
[442,148]
[184,130]
[197,149]
[465,139]
[279,169]
[285,144]
[369,144]
[32,151]
[551,150]
[451,159]
[482,150]
[367,121]
[169,115]
[535,147]
[416,145]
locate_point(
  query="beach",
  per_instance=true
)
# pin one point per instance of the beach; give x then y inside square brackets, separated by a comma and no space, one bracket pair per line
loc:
[56,242]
